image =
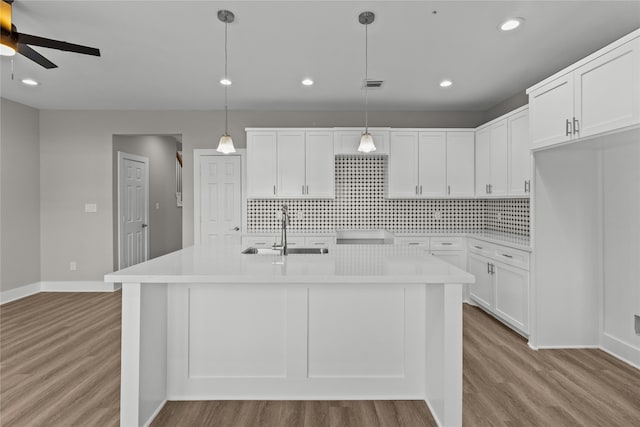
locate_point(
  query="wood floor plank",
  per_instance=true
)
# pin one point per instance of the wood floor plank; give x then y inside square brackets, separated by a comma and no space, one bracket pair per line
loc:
[60,366]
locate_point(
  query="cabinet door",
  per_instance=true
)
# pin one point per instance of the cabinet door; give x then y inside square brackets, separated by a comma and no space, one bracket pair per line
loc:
[512,295]
[519,154]
[261,165]
[432,173]
[291,164]
[482,291]
[460,164]
[499,159]
[608,91]
[483,161]
[550,107]
[320,165]
[403,165]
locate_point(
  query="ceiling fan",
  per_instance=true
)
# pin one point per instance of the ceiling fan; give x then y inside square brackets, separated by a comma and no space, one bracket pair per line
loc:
[11,41]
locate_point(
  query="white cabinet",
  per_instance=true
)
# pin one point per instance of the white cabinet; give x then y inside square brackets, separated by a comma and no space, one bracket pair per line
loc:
[261,164]
[460,164]
[492,159]
[348,140]
[503,156]
[482,290]
[428,164]
[502,282]
[519,154]
[598,94]
[290,164]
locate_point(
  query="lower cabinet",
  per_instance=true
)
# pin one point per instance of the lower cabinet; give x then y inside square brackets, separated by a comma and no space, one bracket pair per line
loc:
[502,282]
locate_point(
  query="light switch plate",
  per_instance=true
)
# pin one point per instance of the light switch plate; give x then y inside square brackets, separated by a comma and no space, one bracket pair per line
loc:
[90,207]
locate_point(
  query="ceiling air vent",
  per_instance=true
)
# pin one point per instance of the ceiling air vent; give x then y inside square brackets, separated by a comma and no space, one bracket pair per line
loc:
[373,84]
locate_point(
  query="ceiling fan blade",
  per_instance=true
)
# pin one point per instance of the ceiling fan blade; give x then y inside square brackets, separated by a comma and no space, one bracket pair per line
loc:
[56,44]
[5,16]
[25,50]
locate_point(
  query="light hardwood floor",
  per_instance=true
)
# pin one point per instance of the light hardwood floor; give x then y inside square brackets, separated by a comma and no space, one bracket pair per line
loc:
[60,366]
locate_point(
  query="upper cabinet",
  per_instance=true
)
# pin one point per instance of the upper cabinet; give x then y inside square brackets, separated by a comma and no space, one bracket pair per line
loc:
[290,164]
[430,164]
[348,140]
[599,94]
[503,156]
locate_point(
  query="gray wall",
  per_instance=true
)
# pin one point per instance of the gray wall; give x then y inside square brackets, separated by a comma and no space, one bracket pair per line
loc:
[76,168]
[165,222]
[509,104]
[20,194]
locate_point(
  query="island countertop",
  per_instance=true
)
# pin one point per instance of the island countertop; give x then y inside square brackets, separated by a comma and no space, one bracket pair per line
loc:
[342,264]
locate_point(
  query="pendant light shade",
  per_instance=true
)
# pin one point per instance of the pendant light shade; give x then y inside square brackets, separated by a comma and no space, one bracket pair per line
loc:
[225,145]
[366,140]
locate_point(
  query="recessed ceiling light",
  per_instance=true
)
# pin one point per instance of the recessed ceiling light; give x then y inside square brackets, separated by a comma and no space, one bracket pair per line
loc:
[446,83]
[30,82]
[307,82]
[225,82]
[511,24]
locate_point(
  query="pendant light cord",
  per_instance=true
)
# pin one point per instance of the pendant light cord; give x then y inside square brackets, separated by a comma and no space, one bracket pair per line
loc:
[226,76]
[366,78]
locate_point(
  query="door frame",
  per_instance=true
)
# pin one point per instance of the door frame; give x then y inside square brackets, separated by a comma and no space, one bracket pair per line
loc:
[198,154]
[121,157]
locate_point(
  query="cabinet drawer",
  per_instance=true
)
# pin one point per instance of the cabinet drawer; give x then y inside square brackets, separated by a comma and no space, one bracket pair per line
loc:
[447,243]
[421,241]
[259,241]
[481,248]
[319,241]
[512,257]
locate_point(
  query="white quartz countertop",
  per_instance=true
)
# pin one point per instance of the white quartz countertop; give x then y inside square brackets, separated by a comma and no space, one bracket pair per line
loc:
[343,264]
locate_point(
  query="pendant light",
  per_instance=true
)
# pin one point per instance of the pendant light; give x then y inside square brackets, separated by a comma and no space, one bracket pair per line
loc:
[366,140]
[226,143]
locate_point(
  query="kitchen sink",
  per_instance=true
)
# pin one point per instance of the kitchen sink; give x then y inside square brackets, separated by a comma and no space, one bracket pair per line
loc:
[290,251]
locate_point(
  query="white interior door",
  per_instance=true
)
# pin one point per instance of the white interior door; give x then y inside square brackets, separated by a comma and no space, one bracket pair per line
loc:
[133,209]
[220,199]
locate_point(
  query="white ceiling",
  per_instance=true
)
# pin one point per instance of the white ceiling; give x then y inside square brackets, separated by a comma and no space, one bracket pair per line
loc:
[168,55]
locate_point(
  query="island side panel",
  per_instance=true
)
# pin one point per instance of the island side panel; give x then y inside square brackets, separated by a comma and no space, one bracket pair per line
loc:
[444,353]
[144,352]
[282,341]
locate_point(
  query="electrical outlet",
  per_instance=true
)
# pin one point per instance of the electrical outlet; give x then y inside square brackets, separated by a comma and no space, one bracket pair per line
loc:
[437,214]
[157,206]
[90,208]
[637,322]
[73,266]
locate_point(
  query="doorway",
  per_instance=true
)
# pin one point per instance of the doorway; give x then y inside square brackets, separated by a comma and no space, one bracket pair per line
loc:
[133,209]
[217,197]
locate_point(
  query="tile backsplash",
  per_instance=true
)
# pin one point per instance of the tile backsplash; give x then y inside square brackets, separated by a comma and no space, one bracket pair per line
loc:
[360,204]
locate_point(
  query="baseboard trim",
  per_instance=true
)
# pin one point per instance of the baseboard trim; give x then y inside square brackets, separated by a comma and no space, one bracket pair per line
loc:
[566,347]
[19,292]
[57,286]
[155,413]
[621,350]
[78,286]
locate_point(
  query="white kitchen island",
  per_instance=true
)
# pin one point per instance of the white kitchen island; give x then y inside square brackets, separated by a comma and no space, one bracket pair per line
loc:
[361,322]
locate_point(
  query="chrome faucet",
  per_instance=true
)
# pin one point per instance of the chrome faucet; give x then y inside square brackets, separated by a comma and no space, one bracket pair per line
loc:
[283,230]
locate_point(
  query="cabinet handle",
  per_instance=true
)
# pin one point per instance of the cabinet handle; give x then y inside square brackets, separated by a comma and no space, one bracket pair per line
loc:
[488,268]
[576,128]
[318,243]
[413,243]
[486,188]
[490,188]
[478,247]
[421,190]
[416,189]
[274,190]
[446,243]
[525,186]
[507,255]
[493,269]
[448,189]
[307,189]
[567,128]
